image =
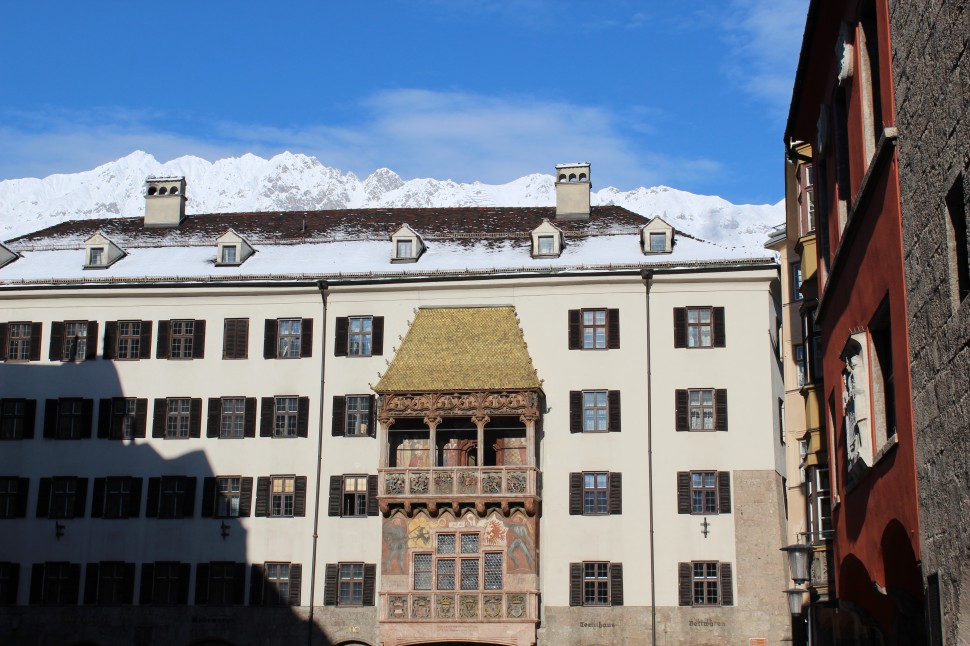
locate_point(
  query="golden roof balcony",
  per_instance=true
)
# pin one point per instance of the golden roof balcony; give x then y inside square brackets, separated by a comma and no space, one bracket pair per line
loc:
[481,488]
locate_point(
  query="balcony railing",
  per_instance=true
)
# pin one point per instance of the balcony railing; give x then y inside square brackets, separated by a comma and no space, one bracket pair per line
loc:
[472,606]
[456,485]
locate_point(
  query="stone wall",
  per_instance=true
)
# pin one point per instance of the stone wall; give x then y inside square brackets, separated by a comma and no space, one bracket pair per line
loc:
[931,74]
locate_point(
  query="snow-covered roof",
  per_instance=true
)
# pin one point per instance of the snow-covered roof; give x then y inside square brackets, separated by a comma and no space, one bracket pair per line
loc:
[354,244]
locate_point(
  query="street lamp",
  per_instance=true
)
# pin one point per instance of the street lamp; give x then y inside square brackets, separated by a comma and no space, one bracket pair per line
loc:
[795,600]
[798,555]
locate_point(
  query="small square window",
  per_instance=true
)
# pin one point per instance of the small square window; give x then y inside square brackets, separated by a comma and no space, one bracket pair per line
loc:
[658,242]
[546,246]
[405,249]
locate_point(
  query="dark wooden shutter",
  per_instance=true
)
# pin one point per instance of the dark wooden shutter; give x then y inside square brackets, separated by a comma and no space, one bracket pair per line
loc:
[371,495]
[36,331]
[616,493]
[342,328]
[198,340]
[134,501]
[575,411]
[91,584]
[141,417]
[683,492]
[163,348]
[575,584]
[681,412]
[183,589]
[266,417]
[296,584]
[245,497]
[57,341]
[574,335]
[151,505]
[30,418]
[235,342]
[201,584]
[727,584]
[306,338]
[195,417]
[371,416]
[44,498]
[724,492]
[239,583]
[613,398]
[680,327]
[110,339]
[189,497]
[330,585]
[685,592]
[616,584]
[80,497]
[377,336]
[339,411]
[158,420]
[256,584]
[91,349]
[370,580]
[87,418]
[719,336]
[145,344]
[336,485]
[215,416]
[23,487]
[575,494]
[303,417]
[249,423]
[721,409]
[269,339]
[208,497]
[104,419]
[299,496]
[50,419]
[97,498]
[4,328]
[37,584]
[262,496]
[613,329]
[13,581]
[128,583]
[147,594]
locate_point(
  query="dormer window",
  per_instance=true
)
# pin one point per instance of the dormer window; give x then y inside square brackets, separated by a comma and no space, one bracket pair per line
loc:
[407,245]
[7,255]
[100,252]
[656,236]
[229,254]
[547,245]
[232,249]
[547,241]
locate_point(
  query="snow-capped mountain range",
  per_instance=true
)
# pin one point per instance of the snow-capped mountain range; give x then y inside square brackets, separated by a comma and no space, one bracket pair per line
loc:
[295,182]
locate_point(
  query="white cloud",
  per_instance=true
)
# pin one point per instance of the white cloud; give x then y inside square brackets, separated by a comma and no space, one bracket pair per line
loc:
[417,133]
[765,37]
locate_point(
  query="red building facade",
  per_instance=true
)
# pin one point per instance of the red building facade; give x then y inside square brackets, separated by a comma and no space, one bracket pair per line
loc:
[843,106]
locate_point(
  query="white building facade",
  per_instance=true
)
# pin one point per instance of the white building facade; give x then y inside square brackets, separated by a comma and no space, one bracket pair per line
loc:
[403,426]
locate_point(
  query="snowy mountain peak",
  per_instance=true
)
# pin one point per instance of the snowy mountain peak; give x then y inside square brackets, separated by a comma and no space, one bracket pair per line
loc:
[293,181]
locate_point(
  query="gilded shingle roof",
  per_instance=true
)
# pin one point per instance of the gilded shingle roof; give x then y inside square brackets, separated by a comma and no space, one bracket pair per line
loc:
[460,349]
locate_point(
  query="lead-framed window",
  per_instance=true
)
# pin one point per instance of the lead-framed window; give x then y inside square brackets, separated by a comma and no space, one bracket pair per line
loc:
[458,562]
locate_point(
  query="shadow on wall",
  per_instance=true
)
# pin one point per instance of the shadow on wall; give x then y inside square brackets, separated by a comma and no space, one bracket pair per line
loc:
[146,557]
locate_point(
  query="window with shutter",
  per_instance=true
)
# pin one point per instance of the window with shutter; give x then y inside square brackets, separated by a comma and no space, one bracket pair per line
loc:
[9,580]
[705,583]
[17,417]
[235,339]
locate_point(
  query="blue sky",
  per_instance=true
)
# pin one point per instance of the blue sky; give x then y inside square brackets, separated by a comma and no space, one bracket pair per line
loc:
[688,94]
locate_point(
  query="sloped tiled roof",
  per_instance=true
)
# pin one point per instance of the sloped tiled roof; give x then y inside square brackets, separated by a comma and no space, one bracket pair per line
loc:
[459,349]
